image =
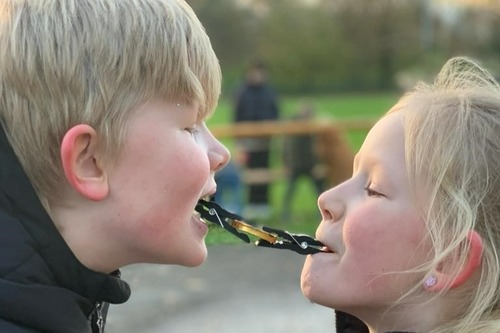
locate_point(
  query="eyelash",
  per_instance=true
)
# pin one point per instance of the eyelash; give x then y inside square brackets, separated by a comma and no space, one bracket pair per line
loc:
[373,193]
[192,130]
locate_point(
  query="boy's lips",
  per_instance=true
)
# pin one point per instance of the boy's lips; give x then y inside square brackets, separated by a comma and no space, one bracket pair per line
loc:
[197,216]
[207,197]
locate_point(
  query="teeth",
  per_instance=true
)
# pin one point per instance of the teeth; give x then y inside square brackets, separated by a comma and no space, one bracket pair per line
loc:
[198,216]
[326,249]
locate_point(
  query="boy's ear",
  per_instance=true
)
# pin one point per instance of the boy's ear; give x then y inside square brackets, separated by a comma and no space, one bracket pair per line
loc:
[81,164]
[473,261]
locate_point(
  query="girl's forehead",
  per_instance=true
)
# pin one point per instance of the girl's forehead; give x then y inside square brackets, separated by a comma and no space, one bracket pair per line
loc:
[383,151]
[388,131]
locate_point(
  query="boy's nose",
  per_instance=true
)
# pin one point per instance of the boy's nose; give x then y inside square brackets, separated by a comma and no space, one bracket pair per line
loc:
[218,155]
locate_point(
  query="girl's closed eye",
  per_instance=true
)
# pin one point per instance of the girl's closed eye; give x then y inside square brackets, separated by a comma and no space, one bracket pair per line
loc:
[373,193]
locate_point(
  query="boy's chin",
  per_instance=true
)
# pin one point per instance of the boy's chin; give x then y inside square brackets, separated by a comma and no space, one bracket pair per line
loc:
[196,258]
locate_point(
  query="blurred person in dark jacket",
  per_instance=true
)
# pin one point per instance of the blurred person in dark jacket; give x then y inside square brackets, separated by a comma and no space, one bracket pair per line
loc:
[255,102]
[230,184]
[300,160]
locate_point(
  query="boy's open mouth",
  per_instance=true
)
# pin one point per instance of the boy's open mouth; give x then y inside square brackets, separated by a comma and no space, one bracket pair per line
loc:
[197,215]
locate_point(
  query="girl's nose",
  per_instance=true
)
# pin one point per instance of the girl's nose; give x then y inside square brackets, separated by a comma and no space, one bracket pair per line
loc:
[331,206]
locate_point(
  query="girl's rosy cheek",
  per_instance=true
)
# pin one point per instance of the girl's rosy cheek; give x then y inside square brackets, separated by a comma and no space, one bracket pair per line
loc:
[363,231]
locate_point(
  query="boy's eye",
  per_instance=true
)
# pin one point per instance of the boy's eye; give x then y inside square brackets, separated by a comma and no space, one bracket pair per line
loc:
[192,130]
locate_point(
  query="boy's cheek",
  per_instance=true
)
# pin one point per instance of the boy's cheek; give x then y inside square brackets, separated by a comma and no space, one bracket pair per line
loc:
[190,162]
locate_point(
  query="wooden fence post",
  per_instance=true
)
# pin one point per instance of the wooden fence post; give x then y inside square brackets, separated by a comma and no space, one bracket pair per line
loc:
[335,153]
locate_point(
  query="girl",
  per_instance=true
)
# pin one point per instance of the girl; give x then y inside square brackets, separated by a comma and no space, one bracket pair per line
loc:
[414,234]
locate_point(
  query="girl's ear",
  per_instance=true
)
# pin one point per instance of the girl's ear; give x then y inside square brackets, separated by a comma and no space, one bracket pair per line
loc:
[473,261]
[81,163]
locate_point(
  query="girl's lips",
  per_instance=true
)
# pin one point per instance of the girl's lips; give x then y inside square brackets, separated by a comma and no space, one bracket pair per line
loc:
[326,249]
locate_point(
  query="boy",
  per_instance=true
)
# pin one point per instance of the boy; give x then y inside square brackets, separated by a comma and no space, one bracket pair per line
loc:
[104,152]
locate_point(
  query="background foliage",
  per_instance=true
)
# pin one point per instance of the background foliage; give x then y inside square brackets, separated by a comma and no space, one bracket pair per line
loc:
[351,58]
[344,45]
[305,215]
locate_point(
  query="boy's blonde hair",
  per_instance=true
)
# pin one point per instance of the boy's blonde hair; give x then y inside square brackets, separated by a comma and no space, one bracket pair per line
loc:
[65,62]
[452,142]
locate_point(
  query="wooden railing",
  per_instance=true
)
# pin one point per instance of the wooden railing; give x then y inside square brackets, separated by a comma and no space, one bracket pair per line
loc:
[271,128]
[333,149]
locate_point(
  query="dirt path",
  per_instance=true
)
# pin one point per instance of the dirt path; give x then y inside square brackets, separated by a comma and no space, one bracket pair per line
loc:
[241,288]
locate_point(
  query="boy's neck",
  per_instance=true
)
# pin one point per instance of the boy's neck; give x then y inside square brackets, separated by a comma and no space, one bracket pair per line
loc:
[82,225]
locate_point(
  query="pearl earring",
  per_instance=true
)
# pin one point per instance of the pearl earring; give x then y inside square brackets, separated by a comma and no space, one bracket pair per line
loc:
[430,281]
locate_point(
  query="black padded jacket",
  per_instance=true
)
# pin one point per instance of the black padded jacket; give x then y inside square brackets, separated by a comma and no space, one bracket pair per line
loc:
[43,287]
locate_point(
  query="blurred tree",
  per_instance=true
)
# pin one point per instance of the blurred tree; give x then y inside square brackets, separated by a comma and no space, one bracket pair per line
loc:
[346,45]
[231,28]
[328,46]
[384,35]
[302,45]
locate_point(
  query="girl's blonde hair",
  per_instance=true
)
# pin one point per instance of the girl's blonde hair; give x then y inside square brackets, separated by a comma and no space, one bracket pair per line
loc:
[65,62]
[452,142]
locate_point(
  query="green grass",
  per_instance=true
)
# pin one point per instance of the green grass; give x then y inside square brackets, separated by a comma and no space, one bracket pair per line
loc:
[327,106]
[305,214]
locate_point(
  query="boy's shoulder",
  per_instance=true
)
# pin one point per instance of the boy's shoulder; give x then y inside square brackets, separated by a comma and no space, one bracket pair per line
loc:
[7,326]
